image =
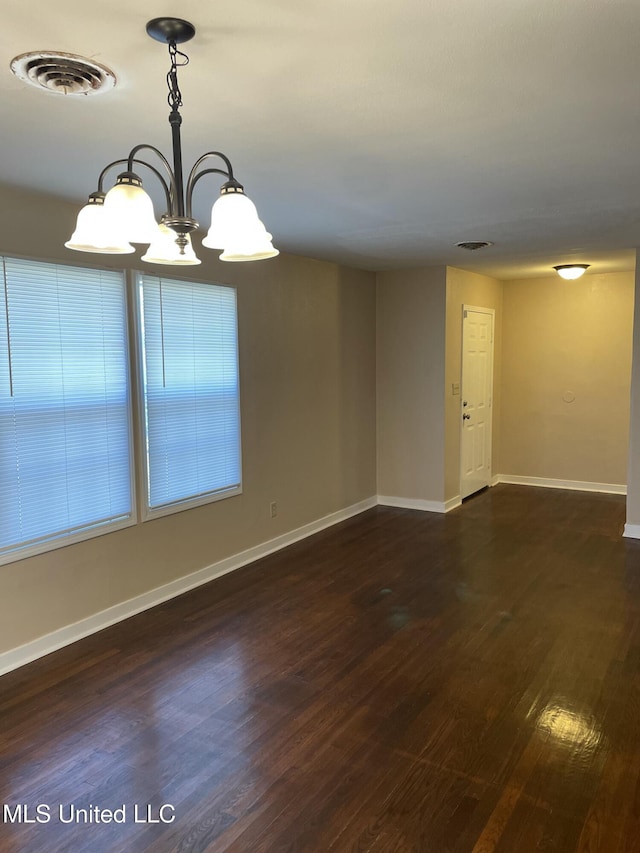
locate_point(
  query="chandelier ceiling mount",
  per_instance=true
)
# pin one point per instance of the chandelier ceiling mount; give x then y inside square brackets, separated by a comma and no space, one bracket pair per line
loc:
[169,30]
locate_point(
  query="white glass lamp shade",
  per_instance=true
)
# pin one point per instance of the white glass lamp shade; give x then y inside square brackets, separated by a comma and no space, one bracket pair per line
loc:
[165,250]
[232,217]
[128,205]
[571,271]
[95,232]
[254,247]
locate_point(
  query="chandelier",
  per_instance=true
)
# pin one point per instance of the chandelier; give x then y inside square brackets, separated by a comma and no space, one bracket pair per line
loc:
[110,222]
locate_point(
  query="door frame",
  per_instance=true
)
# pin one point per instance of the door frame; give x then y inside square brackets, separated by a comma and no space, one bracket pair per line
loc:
[492,312]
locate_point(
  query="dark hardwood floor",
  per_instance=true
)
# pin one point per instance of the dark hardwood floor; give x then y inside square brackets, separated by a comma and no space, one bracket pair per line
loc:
[401,682]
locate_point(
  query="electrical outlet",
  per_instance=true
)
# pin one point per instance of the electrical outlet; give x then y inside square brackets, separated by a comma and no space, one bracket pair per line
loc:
[273,506]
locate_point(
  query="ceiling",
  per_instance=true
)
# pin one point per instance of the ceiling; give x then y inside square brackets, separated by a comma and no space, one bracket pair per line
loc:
[367,132]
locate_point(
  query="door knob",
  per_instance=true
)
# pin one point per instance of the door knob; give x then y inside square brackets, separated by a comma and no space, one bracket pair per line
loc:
[466,417]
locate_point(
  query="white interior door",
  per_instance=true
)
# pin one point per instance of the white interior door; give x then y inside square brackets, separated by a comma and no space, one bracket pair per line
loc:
[476,399]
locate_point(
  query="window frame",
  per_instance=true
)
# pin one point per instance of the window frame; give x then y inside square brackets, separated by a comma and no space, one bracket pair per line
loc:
[101,528]
[146,512]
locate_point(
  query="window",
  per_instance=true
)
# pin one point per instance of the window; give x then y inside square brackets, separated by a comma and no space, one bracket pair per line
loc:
[65,465]
[189,361]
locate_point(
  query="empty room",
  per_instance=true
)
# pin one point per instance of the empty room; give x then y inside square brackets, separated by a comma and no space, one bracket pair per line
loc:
[319,418]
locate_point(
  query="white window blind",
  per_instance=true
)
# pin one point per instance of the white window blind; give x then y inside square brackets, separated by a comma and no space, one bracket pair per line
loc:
[64,405]
[191,391]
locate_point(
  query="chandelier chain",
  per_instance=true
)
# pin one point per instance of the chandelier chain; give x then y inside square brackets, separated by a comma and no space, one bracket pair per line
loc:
[174,97]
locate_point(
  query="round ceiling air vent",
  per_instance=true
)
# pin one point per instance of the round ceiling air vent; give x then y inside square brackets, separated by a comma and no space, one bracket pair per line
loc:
[472,245]
[64,73]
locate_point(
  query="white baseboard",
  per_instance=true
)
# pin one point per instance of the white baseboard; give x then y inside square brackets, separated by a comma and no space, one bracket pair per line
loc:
[97,622]
[411,503]
[495,480]
[632,531]
[452,503]
[575,485]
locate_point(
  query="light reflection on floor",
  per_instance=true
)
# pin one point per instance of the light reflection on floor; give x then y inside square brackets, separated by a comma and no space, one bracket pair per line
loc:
[570,727]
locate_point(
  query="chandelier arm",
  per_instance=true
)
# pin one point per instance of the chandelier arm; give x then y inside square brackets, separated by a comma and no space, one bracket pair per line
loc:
[129,162]
[201,160]
[193,180]
[172,178]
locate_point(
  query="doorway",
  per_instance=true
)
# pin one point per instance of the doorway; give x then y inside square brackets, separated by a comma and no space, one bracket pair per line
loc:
[476,399]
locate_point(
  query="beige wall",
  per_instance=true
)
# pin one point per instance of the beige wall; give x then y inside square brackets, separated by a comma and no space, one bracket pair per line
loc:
[479,291]
[567,336]
[307,368]
[411,307]
[633,467]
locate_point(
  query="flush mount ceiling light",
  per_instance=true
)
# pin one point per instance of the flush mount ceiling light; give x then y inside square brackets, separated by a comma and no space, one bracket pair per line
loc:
[111,221]
[571,271]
